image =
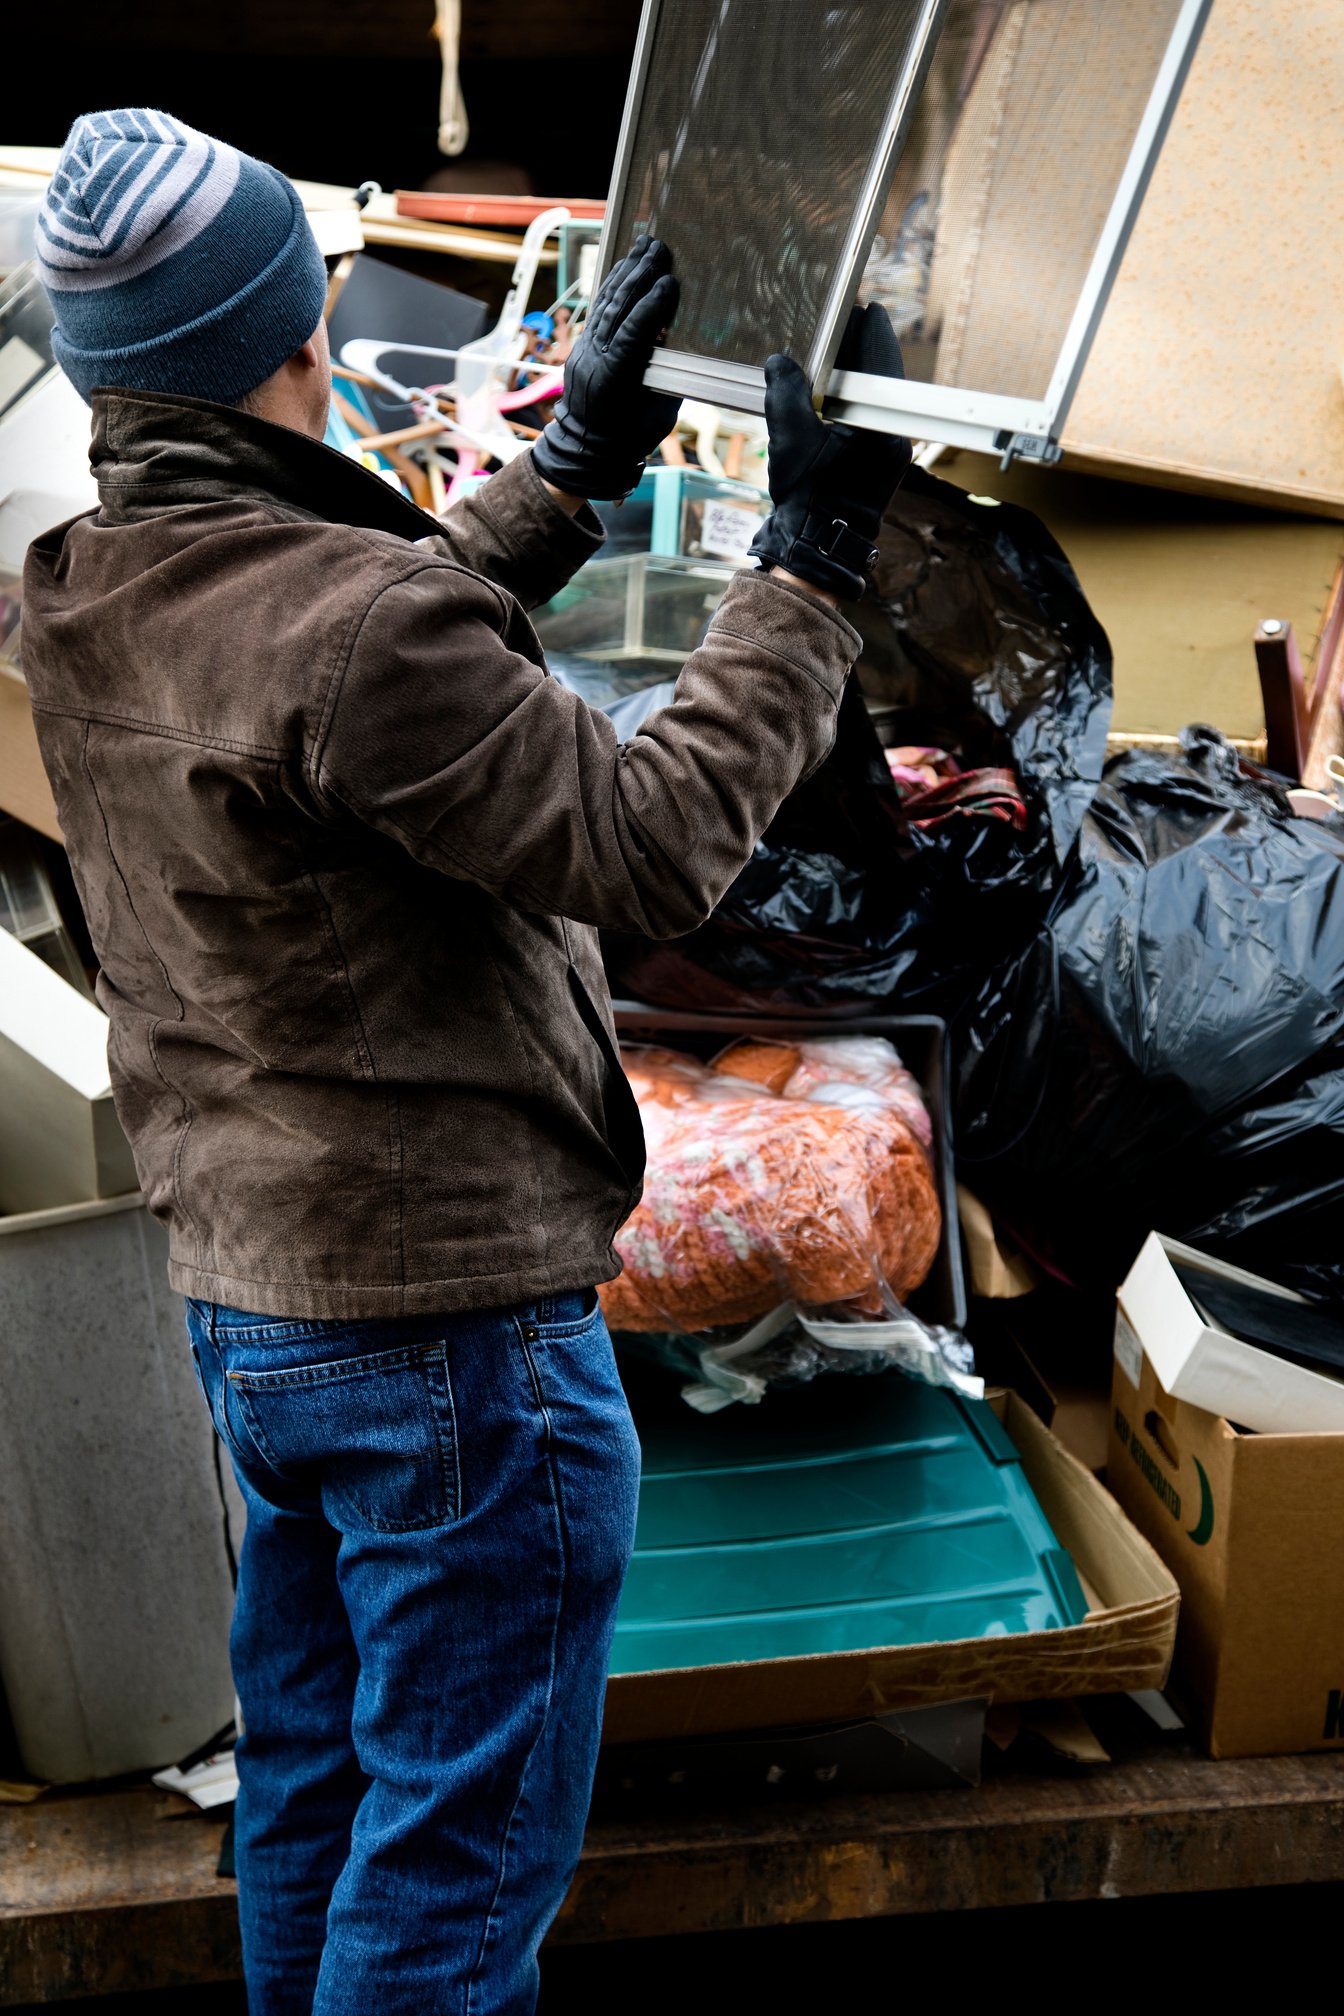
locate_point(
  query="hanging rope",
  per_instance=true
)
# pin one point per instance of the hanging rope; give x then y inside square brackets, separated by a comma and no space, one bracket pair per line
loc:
[453,127]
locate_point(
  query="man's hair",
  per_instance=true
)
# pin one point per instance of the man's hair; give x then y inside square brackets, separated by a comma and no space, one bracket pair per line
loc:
[253,402]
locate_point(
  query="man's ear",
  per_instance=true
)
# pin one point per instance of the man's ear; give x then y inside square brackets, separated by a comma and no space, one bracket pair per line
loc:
[306,354]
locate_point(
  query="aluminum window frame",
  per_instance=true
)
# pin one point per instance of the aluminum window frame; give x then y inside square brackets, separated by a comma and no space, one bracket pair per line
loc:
[992,421]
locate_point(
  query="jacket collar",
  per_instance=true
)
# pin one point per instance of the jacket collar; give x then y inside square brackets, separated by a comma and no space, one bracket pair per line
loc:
[154,451]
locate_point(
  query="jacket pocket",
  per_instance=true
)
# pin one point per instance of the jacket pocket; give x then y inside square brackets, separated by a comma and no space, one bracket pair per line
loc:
[620,1109]
[375,1436]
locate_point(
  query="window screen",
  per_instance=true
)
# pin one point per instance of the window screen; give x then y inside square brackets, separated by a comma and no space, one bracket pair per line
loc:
[1006,178]
[762,134]
[752,146]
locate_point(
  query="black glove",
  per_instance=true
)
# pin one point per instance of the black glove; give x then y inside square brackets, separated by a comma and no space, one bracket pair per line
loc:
[830,484]
[605,421]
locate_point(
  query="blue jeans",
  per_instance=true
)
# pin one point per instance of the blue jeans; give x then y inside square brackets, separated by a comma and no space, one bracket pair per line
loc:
[440,1512]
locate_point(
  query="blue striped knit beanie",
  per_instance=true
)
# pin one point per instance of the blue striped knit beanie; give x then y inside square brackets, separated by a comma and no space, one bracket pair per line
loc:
[173,262]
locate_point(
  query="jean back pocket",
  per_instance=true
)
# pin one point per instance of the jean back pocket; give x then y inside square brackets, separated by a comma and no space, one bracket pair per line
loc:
[374,1435]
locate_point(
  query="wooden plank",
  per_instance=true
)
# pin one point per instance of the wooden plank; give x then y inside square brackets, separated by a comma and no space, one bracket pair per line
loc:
[1283,690]
[103,1892]
[111,1892]
[382,226]
[1154,1827]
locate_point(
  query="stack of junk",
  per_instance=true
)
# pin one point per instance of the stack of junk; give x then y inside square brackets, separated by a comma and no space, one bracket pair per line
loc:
[996,1118]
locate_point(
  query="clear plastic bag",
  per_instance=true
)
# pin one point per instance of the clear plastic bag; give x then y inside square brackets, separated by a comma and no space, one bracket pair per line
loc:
[784,1172]
[788,1349]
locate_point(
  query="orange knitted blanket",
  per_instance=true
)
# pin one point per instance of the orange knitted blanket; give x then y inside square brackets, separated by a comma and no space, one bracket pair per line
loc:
[782,1172]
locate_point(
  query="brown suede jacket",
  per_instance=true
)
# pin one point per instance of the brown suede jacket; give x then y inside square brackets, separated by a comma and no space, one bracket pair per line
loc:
[343,844]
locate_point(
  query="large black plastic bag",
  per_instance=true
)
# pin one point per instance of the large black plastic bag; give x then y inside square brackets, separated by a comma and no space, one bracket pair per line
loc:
[980,638]
[1168,1049]
[1276,1189]
[818,915]
[979,633]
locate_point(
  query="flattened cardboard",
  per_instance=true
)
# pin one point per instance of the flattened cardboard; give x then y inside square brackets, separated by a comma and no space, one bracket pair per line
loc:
[1124,1642]
[997,1270]
[24,791]
[1248,1525]
[1076,1412]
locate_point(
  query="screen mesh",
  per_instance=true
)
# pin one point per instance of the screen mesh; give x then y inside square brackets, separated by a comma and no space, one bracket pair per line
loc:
[757,128]
[752,145]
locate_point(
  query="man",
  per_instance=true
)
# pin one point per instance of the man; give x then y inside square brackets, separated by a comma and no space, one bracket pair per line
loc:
[343,846]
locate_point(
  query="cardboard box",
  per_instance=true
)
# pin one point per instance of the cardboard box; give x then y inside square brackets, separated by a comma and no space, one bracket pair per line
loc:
[1124,1642]
[1247,1524]
[997,1270]
[1053,1348]
[1197,1362]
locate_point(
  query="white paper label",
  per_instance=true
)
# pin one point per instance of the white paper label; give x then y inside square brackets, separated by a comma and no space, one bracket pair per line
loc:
[728,530]
[1128,1350]
[19,363]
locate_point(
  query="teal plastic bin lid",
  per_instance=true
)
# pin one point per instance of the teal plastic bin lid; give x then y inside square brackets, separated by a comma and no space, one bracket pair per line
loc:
[836,1517]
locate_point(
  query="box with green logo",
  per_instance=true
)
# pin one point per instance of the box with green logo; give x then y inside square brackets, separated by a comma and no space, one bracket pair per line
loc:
[1247,1523]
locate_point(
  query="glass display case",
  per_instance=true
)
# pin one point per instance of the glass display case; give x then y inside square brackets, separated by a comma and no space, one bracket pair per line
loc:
[705,517]
[629,622]
[680,511]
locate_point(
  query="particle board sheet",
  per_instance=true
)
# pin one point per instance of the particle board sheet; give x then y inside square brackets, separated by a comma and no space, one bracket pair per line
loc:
[1179,583]
[1217,363]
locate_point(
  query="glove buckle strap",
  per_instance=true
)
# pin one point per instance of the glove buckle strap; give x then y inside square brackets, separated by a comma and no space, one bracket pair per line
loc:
[836,539]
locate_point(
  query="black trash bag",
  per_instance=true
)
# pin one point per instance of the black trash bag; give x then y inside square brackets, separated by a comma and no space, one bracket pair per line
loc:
[816,915]
[978,639]
[1277,1208]
[1168,1049]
